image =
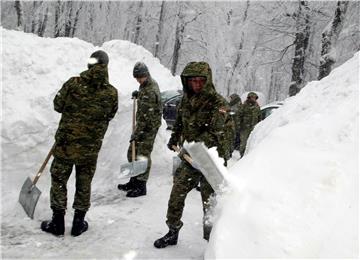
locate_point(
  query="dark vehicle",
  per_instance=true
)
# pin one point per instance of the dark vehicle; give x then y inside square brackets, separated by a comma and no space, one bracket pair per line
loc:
[269,108]
[170,100]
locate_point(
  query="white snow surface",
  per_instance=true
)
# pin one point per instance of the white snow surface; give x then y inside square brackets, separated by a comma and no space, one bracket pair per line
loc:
[33,70]
[295,193]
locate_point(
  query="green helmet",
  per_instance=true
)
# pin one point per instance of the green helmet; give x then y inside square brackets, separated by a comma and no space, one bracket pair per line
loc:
[252,94]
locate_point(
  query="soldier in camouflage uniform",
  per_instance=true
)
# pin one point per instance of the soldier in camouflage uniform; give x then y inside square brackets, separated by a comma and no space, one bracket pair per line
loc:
[87,104]
[249,116]
[201,117]
[235,107]
[148,121]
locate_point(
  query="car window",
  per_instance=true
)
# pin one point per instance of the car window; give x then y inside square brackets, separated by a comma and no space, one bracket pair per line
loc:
[267,112]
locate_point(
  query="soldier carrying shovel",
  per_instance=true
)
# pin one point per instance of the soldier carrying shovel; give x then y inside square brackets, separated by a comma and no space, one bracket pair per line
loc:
[148,121]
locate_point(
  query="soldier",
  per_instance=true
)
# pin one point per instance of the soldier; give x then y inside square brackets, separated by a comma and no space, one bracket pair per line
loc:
[148,121]
[235,107]
[201,117]
[249,116]
[87,104]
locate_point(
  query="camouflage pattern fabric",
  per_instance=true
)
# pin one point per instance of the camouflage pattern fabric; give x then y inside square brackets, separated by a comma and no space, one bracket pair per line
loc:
[201,117]
[148,121]
[144,148]
[187,178]
[235,107]
[249,116]
[87,104]
[60,173]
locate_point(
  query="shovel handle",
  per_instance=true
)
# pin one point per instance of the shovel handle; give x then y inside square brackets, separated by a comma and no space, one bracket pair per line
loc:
[37,176]
[133,130]
[186,157]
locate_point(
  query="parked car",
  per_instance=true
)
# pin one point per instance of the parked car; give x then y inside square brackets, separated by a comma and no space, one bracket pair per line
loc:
[269,108]
[170,100]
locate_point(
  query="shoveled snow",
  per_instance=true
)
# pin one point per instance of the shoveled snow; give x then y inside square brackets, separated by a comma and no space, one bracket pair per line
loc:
[34,69]
[295,194]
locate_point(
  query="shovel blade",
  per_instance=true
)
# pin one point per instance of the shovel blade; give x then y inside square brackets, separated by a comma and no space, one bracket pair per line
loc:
[202,160]
[134,168]
[29,196]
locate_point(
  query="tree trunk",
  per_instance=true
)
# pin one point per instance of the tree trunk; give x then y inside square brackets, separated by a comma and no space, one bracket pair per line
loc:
[138,23]
[329,39]
[19,14]
[160,28]
[180,28]
[43,23]
[301,44]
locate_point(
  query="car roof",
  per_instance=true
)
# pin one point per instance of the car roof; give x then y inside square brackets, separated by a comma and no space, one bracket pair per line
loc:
[275,104]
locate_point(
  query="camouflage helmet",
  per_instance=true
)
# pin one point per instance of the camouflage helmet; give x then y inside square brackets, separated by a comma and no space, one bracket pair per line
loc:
[252,94]
[140,70]
[99,57]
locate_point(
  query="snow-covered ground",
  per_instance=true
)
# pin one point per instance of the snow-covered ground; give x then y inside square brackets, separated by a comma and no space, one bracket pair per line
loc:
[33,70]
[296,192]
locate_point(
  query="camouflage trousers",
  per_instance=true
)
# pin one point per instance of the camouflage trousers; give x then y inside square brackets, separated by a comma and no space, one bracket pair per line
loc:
[187,178]
[244,135]
[144,148]
[60,172]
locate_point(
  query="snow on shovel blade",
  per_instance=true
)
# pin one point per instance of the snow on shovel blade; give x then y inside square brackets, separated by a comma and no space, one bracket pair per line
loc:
[134,168]
[202,160]
[29,196]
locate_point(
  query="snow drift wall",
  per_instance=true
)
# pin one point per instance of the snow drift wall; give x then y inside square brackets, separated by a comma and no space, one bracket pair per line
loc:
[295,193]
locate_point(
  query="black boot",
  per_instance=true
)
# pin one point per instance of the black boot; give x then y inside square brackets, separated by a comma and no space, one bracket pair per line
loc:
[127,186]
[170,238]
[207,230]
[138,190]
[56,225]
[79,225]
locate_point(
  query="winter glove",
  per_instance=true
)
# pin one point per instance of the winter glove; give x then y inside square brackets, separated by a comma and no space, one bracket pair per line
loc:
[135,94]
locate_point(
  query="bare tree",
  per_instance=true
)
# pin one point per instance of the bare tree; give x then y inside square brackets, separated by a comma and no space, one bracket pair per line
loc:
[19,14]
[301,44]
[138,25]
[160,28]
[329,39]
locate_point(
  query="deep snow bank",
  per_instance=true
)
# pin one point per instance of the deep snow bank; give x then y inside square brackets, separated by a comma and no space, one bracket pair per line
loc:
[34,69]
[295,193]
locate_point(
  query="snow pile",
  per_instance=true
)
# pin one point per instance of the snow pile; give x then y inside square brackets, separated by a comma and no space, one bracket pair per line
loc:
[295,193]
[34,69]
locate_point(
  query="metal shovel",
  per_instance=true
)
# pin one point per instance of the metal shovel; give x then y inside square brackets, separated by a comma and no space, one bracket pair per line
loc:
[133,168]
[29,194]
[201,160]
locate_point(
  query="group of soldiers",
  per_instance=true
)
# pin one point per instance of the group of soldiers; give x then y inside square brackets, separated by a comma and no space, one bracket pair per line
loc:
[87,104]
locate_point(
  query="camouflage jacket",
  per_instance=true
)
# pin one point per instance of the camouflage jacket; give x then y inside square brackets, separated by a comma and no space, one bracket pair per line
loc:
[202,117]
[235,108]
[87,104]
[149,109]
[249,116]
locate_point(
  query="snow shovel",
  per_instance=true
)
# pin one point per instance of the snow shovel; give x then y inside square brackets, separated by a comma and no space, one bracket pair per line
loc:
[201,160]
[29,194]
[133,168]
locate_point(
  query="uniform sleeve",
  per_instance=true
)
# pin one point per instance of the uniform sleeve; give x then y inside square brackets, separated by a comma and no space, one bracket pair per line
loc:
[216,132]
[177,128]
[145,112]
[114,107]
[60,98]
